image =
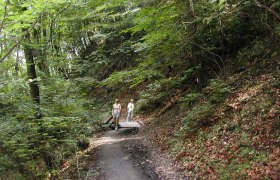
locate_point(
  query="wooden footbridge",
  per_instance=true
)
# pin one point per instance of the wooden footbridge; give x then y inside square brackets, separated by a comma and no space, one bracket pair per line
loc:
[122,124]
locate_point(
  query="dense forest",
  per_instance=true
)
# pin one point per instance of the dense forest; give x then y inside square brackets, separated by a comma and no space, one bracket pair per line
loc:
[205,71]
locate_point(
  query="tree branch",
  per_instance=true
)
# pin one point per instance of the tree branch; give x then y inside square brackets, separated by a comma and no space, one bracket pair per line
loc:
[4,17]
[212,54]
[19,40]
[257,3]
[53,20]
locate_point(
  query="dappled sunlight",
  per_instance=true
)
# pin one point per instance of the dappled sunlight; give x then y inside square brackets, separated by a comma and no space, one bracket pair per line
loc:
[199,79]
[95,142]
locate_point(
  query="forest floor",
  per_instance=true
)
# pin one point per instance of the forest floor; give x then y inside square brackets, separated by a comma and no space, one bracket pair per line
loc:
[236,137]
[122,155]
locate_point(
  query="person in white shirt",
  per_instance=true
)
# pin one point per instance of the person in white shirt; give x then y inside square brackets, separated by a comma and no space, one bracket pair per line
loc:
[130,108]
[116,112]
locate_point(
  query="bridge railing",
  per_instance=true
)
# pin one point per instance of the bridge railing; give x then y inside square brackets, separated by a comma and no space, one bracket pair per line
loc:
[109,123]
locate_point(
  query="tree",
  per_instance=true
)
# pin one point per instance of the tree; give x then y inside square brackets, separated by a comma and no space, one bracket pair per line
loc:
[32,76]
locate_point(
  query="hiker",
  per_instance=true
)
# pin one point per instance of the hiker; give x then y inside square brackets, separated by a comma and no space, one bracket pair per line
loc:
[116,112]
[130,108]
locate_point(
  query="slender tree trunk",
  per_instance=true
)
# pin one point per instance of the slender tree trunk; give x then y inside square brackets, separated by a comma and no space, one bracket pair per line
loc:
[17,63]
[200,76]
[4,17]
[193,15]
[31,72]
[41,52]
[195,59]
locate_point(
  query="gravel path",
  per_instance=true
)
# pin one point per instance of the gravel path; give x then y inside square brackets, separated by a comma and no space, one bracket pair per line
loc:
[116,162]
[123,156]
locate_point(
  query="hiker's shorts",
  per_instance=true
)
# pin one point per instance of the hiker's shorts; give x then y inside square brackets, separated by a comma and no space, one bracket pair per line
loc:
[116,115]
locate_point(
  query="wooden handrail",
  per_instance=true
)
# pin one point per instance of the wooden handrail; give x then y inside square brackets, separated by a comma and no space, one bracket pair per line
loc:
[108,120]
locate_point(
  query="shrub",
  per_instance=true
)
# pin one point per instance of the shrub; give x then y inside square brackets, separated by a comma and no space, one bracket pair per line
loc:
[83,143]
[197,118]
[191,98]
[218,91]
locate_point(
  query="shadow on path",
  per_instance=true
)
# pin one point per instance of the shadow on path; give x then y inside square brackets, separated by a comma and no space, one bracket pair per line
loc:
[121,157]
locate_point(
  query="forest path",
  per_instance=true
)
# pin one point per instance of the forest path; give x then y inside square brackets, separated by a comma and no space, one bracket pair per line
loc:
[117,160]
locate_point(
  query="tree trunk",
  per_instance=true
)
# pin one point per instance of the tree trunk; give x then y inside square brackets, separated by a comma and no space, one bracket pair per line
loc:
[195,59]
[41,52]
[31,72]
[17,63]
[4,16]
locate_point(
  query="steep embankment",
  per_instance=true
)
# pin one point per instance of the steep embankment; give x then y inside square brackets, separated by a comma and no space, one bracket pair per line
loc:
[231,129]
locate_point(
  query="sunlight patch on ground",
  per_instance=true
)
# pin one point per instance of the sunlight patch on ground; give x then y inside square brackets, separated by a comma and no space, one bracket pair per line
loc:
[95,142]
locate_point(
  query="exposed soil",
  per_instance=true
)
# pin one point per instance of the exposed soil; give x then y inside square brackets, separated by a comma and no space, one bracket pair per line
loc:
[122,155]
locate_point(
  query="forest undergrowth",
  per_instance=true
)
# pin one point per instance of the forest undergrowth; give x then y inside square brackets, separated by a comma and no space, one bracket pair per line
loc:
[204,74]
[229,134]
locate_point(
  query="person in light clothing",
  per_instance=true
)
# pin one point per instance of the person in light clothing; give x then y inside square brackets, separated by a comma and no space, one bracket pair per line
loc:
[130,108]
[116,112]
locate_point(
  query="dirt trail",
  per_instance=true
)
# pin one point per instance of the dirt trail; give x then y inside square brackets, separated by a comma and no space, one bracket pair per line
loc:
[115,162]
[123,156]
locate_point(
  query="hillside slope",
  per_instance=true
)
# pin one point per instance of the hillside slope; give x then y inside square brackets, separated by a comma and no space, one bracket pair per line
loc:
[229,130]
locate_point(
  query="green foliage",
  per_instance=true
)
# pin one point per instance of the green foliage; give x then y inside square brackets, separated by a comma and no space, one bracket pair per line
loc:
[190,98]
[27,142]
[262,105]
[60,98]
[197,118]
[131,78]
[218,91]
[83,143]
[118,45]
[176,145]
[149,102]
[258,50]
[156,94]
[248,155]
[236,167]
